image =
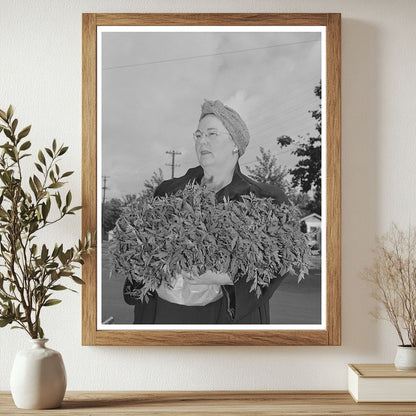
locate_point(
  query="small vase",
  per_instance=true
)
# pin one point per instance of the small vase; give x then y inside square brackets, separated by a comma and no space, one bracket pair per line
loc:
[405,358]
[38,378]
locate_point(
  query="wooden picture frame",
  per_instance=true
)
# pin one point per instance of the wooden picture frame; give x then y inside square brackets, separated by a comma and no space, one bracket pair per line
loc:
[331,334]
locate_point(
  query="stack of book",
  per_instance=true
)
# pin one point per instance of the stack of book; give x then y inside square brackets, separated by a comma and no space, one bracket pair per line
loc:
[381,383]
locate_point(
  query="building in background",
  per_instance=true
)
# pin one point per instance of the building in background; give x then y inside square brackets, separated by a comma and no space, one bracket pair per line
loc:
[313,226]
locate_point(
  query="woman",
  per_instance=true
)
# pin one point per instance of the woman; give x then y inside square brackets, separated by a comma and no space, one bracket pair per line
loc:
[212,298]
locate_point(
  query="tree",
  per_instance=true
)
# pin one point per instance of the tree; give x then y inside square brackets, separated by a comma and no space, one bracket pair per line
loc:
[307,172]
[128,199]
[267,170]
[151,184]
[112,209]
[303,202]
[111,213]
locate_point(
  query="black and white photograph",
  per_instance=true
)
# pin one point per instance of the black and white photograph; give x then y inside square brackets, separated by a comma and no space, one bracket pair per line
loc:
[211,177]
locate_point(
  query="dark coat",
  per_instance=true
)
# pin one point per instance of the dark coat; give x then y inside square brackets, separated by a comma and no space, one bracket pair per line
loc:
[238,305]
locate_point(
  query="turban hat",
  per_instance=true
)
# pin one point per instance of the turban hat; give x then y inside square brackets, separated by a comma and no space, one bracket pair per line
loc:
[231,120]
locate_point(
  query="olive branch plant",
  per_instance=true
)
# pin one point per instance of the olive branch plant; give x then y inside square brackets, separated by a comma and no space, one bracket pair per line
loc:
[31,273]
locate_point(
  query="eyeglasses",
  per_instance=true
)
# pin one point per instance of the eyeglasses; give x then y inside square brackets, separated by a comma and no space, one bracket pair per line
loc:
[210,135]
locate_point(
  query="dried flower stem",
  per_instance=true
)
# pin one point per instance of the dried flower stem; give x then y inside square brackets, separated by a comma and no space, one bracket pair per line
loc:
[393,276]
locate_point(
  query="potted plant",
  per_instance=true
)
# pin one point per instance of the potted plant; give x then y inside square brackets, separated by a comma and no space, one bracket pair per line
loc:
[393,277]
[31,273]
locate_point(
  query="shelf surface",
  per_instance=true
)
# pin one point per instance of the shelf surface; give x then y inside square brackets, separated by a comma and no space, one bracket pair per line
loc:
[178,403]
[380,371]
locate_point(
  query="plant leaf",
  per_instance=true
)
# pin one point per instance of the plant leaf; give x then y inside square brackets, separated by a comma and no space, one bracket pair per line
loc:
[67,174]
[77,208]
[58,287]
[33,187]
[14,125]
[10,112]
[37,183]
[41,157]
[56,185]
[68,198]
[25,145]
[45,210]
[76,279]
[58,199]
[44,253]
[40,332]
[24,133]
[5,321]
[8,133]
[51,302]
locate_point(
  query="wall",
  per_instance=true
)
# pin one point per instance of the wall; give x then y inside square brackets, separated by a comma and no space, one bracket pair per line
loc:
[40,73]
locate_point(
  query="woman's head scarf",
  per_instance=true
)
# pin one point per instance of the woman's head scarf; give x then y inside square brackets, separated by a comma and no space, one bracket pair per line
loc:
[231,120]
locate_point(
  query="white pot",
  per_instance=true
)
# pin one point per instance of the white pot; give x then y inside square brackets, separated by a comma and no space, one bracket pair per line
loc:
[38,378]
[405,358]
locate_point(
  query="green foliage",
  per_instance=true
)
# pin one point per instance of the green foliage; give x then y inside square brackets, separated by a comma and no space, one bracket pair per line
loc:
[30,273]
[112,209]
[111,213]
[307,172]
[151,184]
[267,170]
[191,232]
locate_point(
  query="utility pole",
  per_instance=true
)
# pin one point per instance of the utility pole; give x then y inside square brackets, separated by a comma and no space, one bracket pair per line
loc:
[173,153]
[104,188]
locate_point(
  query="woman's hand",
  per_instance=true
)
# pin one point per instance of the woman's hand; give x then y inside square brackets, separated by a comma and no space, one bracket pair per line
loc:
[195,290]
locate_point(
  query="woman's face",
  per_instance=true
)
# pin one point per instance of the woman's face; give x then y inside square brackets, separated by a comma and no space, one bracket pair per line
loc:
[214,146]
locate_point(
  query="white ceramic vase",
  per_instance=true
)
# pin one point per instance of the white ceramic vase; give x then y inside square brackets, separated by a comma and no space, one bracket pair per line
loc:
[38,378]
[405,358]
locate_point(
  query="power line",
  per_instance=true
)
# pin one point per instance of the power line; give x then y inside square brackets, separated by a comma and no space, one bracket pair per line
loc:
[286,127]
[299,100]
[294,112]
[294,96]
[265,136]
[188,58]
[270,116]
[272,134]
[295,123]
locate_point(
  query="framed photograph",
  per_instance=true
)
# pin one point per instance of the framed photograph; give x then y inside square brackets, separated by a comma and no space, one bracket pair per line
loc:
[211,172]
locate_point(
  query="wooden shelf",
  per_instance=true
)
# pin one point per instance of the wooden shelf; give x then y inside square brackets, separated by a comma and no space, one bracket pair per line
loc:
[181,403]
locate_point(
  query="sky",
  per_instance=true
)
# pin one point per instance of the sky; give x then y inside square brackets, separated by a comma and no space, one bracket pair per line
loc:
[153,86]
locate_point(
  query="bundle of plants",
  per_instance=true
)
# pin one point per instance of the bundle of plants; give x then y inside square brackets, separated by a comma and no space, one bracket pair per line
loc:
[254,239]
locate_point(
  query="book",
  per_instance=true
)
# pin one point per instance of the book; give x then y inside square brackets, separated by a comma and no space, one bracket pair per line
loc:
[381,383]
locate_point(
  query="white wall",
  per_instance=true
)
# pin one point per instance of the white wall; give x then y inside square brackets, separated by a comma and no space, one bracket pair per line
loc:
[40,73]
